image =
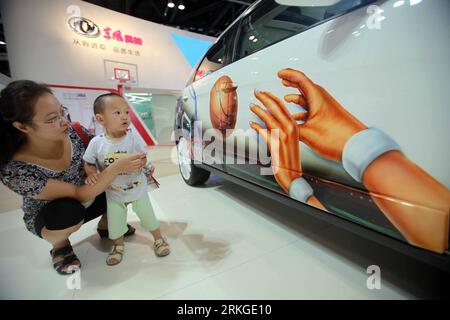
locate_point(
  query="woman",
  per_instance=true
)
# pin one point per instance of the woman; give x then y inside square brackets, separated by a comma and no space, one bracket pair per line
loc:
[41,159]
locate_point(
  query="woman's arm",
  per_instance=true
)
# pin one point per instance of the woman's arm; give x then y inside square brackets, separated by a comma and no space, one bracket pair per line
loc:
[55,189]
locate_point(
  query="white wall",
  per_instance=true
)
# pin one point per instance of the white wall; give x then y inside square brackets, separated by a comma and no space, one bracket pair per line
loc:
[41,46]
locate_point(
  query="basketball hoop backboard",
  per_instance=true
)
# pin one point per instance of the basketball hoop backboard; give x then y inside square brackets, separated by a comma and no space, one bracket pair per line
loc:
[120,72]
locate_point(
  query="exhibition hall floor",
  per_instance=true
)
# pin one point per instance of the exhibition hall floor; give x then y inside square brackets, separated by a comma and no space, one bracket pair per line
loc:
[227,243]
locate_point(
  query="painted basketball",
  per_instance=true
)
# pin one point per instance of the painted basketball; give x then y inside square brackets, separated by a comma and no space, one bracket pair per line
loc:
[223,105]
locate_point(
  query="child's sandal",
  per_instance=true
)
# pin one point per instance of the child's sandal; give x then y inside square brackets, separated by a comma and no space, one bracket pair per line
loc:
[115,256]
[161,248]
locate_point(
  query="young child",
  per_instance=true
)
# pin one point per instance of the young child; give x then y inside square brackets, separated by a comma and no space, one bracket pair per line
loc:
[111,111]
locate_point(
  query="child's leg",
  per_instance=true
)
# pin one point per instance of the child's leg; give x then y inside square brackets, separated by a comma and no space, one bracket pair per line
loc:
[116,253]
[117,227]
[144,211]
[118,241]
[117,219]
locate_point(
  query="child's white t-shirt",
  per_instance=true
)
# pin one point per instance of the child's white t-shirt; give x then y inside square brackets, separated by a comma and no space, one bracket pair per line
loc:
[103,151]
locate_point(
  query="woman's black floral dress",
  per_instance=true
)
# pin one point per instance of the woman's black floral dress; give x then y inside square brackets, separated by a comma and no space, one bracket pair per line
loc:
[29,179]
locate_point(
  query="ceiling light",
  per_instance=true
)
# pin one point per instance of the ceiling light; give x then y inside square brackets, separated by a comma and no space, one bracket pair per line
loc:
[256,39]
[170,4]
[414,2]
[2,43]
[181,6]
[251,38]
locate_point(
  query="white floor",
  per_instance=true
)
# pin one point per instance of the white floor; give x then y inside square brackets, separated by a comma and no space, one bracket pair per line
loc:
[227,243]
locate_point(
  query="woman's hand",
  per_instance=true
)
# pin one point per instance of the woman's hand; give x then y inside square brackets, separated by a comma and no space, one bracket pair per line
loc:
[327,125]
[130,163]
[281,136]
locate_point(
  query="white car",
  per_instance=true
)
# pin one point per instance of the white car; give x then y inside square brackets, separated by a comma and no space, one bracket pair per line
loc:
[338,108]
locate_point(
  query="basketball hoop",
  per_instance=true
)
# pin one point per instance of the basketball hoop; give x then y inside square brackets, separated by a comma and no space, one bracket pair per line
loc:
[123,75]
[123,82]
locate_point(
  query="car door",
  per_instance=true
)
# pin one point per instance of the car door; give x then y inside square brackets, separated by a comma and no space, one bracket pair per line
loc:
[346,51]
[203,103]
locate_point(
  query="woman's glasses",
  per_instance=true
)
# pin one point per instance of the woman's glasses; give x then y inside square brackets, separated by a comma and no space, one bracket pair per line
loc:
[57,118]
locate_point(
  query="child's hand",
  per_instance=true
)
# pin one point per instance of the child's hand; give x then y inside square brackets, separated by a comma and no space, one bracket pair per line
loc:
[149,174]
[149,169]
[91,179]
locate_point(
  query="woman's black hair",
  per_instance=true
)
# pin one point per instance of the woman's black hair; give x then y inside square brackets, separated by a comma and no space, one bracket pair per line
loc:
[17,102]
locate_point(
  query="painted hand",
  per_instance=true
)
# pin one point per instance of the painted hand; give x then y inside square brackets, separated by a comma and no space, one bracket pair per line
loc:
[281,136]
[327,125]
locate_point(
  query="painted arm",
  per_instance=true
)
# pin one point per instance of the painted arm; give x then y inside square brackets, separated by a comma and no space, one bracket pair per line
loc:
[415,203]
[281,136]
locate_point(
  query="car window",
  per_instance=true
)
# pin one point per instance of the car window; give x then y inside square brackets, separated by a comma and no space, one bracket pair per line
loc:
[270,22]
[214,60]
[192,74]
[216,57]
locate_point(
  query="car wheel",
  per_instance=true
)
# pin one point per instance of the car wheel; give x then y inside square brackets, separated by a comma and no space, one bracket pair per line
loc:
[191,174]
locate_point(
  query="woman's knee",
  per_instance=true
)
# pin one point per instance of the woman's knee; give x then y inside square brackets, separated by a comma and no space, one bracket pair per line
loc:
[61,214]
[56,236]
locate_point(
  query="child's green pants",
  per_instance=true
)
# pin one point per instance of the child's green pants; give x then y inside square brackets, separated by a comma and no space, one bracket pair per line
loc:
[117,216]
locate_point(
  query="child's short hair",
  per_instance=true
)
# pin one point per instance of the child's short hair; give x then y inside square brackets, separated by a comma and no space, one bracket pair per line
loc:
[99,105]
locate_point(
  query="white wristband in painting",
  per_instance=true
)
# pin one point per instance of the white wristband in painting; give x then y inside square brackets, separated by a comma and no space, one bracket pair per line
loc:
[300,190]
[363,148]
